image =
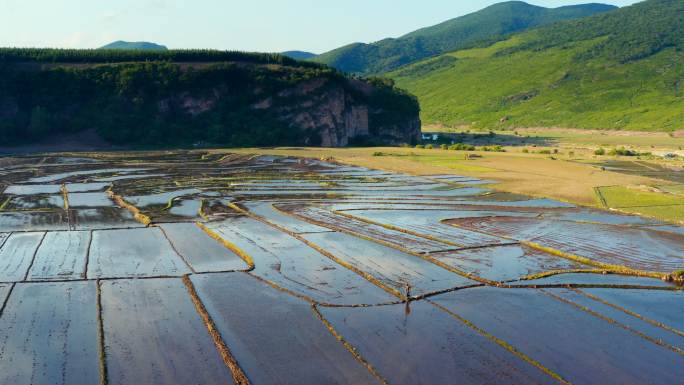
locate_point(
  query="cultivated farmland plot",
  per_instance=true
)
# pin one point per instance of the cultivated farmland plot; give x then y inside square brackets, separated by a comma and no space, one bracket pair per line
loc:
[205,268]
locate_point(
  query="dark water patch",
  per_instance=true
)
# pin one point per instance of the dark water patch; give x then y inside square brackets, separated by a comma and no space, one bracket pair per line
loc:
[34,202]
[86,187]
[61,255]
[427,346]
[133,253]
[666,307]
[594,279]
[202,252]
[153,335]
[33,189]
[34,221]
[429,224]
[16,255]
[90,200]
[363,229]
[48,335]
[391,267]
[78,173]
[102,218]
[579,346]
[636,248]
[275,337]
[638,325]
[289,263]
[268,212]
[502,263]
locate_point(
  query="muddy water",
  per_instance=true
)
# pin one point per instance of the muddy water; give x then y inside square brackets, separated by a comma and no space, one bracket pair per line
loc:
[34,221]
[33,189]
[202,252]
[269,213]
[429,223]
[102,218]
[61,255]
[34,202]
[3,238]
[503,263]
[310,252]
[595,279]
[153,335]
[291,264]
[662,306]
[48,335]
[86,187]
[188,208]
[421,344]
[577,345]
[276,338]
[133,253]
[393,268]
[633,247]
[16,255]
[652,330]
[90,199]
[367,230]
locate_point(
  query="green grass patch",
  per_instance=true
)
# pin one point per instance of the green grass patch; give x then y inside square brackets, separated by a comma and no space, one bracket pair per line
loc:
[661,206]
[624,197]
[456,161]
[665,213]
[486,88]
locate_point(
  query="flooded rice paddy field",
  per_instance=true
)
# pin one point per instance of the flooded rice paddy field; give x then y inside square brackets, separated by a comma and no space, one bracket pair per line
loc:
[197,268]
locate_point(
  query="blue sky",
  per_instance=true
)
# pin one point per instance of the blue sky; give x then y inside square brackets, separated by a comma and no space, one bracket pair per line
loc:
[251,25]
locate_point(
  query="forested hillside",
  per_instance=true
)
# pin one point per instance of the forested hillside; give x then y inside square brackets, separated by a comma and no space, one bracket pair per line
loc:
[190,97]
[620,70]
[489,25]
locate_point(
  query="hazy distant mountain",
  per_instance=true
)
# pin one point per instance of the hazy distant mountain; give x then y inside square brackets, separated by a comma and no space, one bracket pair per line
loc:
[299,55]
[490,24]
[143,45]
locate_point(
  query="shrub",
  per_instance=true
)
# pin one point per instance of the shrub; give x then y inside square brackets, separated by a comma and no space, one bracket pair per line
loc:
[443,146]
[600,151]
[419,146]
[429,147]
[622,152]
[545,152]
[525,151]
[678,276]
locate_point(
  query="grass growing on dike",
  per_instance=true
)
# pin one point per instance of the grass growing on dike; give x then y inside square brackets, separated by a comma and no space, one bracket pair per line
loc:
[565,169]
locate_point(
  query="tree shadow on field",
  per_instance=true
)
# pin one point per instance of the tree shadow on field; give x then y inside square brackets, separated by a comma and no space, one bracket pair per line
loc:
[488,139]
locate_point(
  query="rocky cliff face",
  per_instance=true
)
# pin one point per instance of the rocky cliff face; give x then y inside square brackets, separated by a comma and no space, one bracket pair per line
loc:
[335,116]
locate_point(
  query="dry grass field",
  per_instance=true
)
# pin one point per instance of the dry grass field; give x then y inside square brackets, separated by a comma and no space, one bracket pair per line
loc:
[568,177]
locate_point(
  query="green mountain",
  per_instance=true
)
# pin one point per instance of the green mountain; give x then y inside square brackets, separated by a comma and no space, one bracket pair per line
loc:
[137,45]
[622,69]
[186,97]
[299,55]
[490,24]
